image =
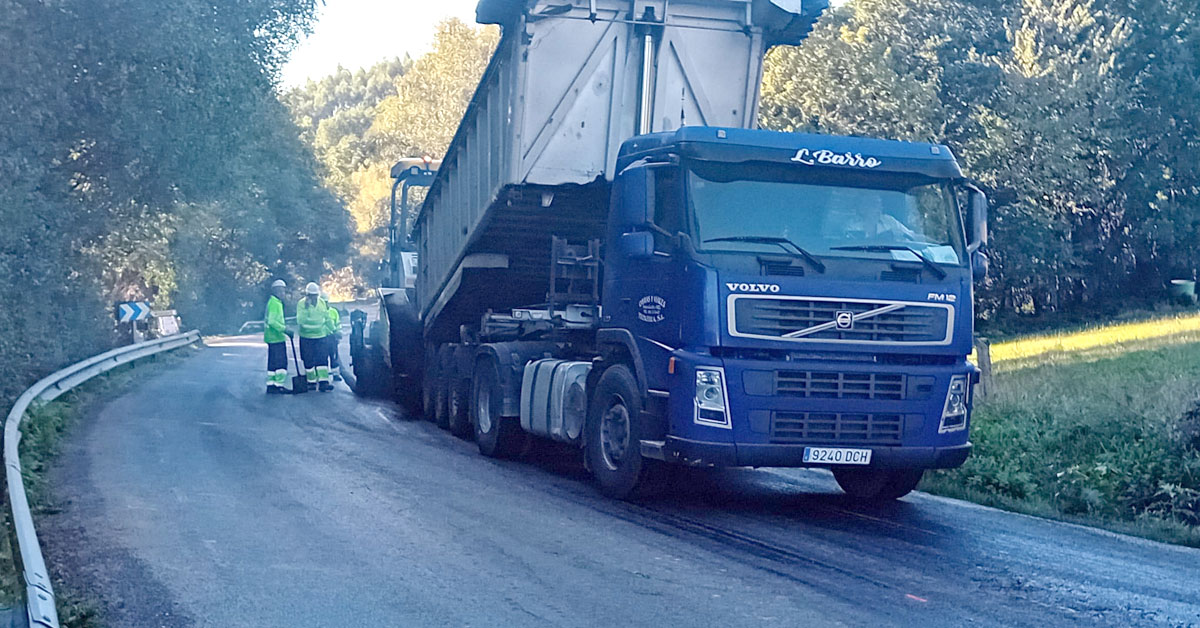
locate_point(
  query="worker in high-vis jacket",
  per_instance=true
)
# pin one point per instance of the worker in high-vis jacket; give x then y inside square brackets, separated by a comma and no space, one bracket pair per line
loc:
[275,334]
[334,338]
[312,316]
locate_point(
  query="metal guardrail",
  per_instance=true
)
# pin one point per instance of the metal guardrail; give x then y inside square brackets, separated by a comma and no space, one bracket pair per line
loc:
[39,594]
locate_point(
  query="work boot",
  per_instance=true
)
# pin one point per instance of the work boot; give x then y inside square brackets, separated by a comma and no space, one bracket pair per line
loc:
[326,387]
[275,390]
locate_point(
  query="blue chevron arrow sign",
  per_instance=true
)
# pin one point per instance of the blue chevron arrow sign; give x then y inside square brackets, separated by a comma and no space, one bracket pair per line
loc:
[132,311]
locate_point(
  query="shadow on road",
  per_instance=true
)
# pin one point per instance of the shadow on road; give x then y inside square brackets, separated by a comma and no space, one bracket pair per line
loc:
[803,494]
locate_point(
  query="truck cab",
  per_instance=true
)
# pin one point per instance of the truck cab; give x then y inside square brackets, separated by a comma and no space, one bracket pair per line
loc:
[797,300]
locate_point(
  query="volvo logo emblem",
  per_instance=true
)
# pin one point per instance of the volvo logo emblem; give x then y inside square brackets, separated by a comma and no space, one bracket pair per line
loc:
[753,287]
[844,319]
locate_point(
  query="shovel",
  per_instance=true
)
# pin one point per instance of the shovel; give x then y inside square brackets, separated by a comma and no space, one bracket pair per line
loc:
[299,382]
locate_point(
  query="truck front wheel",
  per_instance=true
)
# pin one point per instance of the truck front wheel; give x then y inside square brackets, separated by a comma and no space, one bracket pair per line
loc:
[877,485]
[497,436]
[614,433]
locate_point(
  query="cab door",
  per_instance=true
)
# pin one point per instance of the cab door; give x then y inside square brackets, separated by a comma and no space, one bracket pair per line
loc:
[642,268]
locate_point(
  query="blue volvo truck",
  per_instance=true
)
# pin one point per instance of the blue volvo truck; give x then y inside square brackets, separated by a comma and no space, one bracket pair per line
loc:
[613,257]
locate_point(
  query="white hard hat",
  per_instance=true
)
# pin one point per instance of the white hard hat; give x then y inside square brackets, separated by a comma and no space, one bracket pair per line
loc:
[312,288]
[279,283]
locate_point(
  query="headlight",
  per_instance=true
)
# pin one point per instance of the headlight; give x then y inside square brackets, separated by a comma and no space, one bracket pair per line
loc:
[710,398]
[954,413]
[710,390]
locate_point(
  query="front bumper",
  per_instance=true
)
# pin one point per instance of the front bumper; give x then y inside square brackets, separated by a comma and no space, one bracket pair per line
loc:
[896,414]
[703,453]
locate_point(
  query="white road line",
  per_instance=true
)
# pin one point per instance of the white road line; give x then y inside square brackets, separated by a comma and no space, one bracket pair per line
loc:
[383,417]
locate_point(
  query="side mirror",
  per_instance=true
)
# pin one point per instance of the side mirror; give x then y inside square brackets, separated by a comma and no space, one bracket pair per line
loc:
[979,265]
[977,210]
[633,193]
[636,245]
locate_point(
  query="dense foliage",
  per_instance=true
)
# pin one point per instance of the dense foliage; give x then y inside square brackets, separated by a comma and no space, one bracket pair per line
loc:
[1079,116]
[144,155]
[360,123]
[335,114]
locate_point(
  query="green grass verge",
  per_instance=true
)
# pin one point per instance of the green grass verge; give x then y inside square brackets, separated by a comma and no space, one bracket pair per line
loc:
[1017,326]
[1107,434]
[1099,341]
[43,432]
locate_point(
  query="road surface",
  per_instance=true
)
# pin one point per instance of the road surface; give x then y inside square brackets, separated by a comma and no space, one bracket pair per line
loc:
[193,499]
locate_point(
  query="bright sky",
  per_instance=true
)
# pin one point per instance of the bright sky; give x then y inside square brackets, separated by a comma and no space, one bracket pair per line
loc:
[360,33]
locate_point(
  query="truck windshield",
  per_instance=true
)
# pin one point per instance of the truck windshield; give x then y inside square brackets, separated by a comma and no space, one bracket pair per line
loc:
[869,214]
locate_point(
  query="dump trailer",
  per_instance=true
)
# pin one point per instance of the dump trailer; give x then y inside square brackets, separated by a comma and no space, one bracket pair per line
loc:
[612,256]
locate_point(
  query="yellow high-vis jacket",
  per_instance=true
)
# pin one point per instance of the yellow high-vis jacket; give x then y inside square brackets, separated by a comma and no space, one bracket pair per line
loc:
[274,325]
[335,321]
[312,319]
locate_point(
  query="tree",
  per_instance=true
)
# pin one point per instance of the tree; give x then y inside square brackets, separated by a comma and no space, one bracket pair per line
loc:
[421,118]
[1077,115]
[360,123]
[137,167]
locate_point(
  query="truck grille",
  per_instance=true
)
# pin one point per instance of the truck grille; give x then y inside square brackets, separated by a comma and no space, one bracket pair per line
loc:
[834,385]
[808,319]
[820,428]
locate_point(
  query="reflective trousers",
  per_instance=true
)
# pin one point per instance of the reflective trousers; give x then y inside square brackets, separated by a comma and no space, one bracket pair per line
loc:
[334,363]
[314,352]
[277,364]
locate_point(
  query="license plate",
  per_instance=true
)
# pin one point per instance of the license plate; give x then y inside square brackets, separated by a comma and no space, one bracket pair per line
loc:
[836,455]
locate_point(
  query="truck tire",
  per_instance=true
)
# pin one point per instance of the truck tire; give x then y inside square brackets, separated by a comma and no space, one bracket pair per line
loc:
[497,436]
[614,434]
[877,485]
[370,374]
[445,379]
[408,394]
[429,391]
[445,407]
[459,407]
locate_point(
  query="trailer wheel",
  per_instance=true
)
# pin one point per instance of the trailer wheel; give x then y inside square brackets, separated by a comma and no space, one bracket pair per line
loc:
[445,380]
[459,419]
[614,434]
[877,485]
[408,394]
[429,390]
[497,436]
